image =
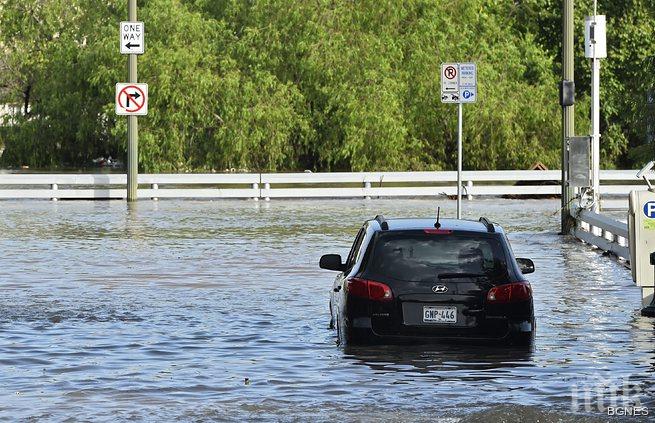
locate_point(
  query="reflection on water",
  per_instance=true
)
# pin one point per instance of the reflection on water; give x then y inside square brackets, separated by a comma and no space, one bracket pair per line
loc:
[439,362]
[201,310]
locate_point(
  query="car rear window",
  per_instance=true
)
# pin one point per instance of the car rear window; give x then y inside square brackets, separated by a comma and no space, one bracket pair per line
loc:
[418,256]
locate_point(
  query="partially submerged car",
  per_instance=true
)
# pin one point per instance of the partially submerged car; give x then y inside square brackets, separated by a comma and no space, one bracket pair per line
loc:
[414,280]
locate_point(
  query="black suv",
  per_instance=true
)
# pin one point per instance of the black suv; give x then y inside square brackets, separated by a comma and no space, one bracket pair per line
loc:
[417,280]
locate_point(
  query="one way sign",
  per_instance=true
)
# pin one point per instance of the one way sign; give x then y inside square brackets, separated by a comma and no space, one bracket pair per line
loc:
[131,99]
[132,38]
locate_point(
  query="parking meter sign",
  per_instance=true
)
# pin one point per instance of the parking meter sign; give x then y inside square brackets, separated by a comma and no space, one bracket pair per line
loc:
[468,75]
[459,83]
[469,95]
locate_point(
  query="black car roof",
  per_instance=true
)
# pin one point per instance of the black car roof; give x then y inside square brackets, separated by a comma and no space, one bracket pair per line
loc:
[408,224]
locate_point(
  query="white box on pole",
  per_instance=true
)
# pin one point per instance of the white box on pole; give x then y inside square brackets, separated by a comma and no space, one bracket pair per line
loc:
[595,36]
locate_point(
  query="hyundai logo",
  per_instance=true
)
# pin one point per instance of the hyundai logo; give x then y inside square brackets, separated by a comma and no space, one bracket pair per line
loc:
[440,289]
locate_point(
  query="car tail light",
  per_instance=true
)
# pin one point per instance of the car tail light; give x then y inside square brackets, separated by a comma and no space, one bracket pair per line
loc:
[437,231]
[372,290]
[509,293]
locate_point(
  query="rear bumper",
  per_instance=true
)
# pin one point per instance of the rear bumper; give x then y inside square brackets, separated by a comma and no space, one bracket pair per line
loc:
[517,332]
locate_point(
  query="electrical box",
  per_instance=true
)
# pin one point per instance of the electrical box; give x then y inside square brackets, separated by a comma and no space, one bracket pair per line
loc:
[580,162]
[641,228]
[566,93]
[595,43]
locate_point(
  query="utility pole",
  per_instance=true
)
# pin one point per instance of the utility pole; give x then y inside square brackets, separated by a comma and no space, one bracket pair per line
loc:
[567,89]
[132,122]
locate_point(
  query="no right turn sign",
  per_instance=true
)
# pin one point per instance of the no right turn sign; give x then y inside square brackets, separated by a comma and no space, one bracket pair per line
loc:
[131,99]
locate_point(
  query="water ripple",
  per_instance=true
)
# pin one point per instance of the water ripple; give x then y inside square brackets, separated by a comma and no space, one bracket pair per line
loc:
[202,311]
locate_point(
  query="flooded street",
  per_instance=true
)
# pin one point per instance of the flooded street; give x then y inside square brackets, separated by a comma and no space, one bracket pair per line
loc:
[200,310]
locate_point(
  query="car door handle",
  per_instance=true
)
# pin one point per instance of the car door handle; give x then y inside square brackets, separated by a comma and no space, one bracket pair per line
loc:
[337,289]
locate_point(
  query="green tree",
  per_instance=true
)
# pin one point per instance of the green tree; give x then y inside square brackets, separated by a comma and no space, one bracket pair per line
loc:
[324,85]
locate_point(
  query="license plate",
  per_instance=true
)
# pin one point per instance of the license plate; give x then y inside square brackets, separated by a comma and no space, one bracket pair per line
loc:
[433,314]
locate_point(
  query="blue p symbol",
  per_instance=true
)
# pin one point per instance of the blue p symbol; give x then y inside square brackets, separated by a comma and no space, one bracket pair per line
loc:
[649,209]
[468,94]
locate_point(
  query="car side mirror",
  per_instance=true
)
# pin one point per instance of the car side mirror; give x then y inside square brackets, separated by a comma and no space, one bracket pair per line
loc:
[332,262]
[526,265]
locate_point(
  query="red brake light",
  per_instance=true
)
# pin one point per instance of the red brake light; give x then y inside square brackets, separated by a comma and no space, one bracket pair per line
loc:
[510,293]
[372,290]
[437,231]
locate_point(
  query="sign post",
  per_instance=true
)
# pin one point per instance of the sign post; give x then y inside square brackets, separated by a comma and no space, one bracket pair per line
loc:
[460,118]
[131,97]
[459,85]
[132,123]
[595,49]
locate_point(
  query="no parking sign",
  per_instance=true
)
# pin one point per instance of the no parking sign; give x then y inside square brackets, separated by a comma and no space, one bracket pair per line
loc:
[459,83]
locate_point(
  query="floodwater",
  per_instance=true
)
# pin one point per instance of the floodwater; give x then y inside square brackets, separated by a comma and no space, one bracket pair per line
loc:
[203,311]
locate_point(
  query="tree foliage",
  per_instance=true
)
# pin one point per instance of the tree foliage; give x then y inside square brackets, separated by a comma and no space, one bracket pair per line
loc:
[324,85]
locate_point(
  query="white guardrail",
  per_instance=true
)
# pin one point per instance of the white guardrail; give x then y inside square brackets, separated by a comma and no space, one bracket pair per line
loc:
[302,185]
[603,232]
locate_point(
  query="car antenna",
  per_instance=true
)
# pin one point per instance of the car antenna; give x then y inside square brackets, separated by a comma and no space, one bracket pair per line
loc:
[437,224]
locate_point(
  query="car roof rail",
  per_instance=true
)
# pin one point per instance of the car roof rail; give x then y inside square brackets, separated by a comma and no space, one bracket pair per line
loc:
[488,224]
[384,225]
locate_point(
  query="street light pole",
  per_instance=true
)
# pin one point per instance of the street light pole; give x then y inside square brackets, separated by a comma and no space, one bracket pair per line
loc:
[132,123]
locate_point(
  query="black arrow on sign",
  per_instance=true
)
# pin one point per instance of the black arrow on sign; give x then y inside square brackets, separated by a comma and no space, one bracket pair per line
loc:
[134,95]
[130,45]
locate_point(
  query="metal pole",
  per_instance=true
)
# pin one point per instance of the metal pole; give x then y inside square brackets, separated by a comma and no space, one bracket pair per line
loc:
[595,124]
[132,123]
[595,132]
[568,124]
[459,160]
